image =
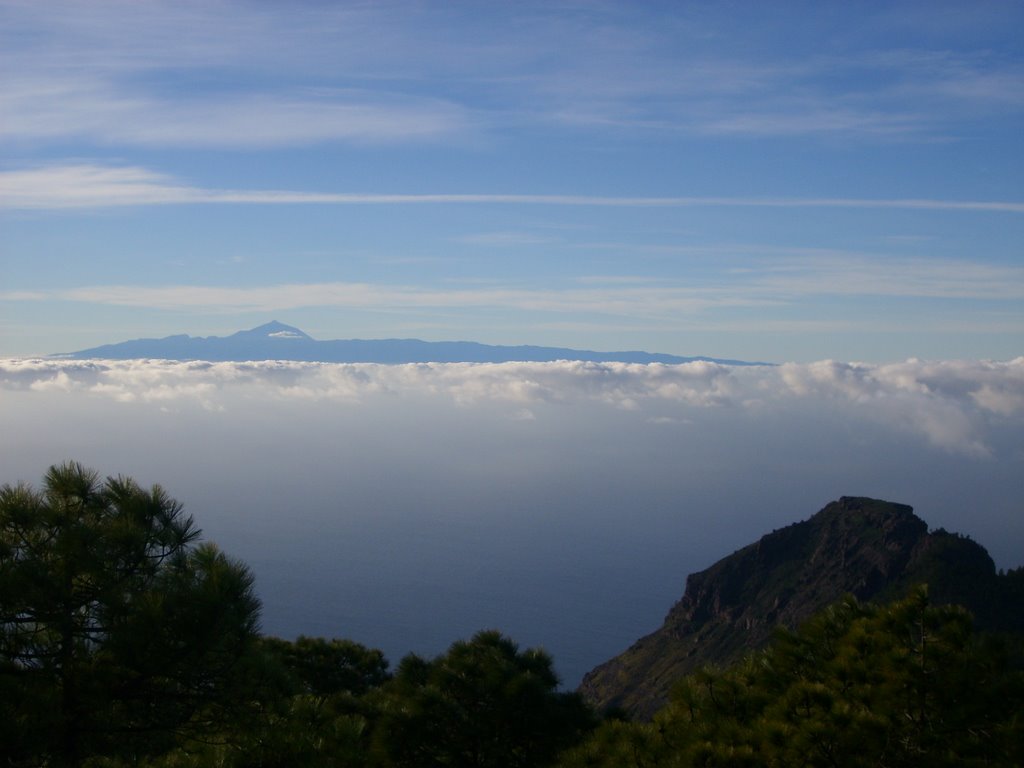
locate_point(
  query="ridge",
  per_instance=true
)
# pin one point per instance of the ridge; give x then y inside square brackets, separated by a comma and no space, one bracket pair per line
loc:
[875,550]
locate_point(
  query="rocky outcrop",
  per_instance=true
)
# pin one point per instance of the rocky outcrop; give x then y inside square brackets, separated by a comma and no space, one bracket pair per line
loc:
[872,549]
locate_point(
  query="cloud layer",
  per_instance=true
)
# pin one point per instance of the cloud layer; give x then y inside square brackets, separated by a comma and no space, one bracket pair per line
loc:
[952,405]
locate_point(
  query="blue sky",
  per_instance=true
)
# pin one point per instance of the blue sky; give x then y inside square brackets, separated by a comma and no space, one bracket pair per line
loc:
[779,181]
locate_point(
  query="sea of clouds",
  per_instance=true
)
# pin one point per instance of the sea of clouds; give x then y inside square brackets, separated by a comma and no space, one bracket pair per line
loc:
[409,505]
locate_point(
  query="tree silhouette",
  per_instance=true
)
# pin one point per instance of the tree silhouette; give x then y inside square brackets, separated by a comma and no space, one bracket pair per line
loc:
[119,634]
[904,684]
[483,703]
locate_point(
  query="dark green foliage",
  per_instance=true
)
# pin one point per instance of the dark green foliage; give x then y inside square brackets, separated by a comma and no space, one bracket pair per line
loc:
[908,684]
[301,730]
[324,667]
[484,703]
[314,706]
[118,634]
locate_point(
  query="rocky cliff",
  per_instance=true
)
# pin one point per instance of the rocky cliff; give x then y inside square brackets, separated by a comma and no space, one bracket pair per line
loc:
[872,549]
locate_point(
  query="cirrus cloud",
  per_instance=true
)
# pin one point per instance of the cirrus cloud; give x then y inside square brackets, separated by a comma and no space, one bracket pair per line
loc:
[90,185]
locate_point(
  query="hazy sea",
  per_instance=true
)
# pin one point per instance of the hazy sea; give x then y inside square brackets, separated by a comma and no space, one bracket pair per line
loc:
[407,507]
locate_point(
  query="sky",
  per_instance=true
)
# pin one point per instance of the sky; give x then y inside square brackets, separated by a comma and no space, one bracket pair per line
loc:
[789,181]
[833,187]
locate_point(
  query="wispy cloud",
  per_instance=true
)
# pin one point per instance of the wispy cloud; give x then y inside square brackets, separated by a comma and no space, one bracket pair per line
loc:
[768,284]
[644,300]
[506,239]
[97,186]
[837,274]
[814,120]
[199,75]
[384,71]
[82,109]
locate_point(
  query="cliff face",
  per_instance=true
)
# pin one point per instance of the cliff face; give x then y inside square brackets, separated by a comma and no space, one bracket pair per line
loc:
[872,549]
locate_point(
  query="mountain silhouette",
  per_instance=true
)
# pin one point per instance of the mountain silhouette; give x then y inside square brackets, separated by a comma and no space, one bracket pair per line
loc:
[874,550]
[277,341]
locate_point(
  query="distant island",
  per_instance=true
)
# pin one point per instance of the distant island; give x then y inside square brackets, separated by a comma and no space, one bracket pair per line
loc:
[277,341]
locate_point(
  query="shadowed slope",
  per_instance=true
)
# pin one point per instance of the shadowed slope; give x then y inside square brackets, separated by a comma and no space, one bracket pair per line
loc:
[874,550]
